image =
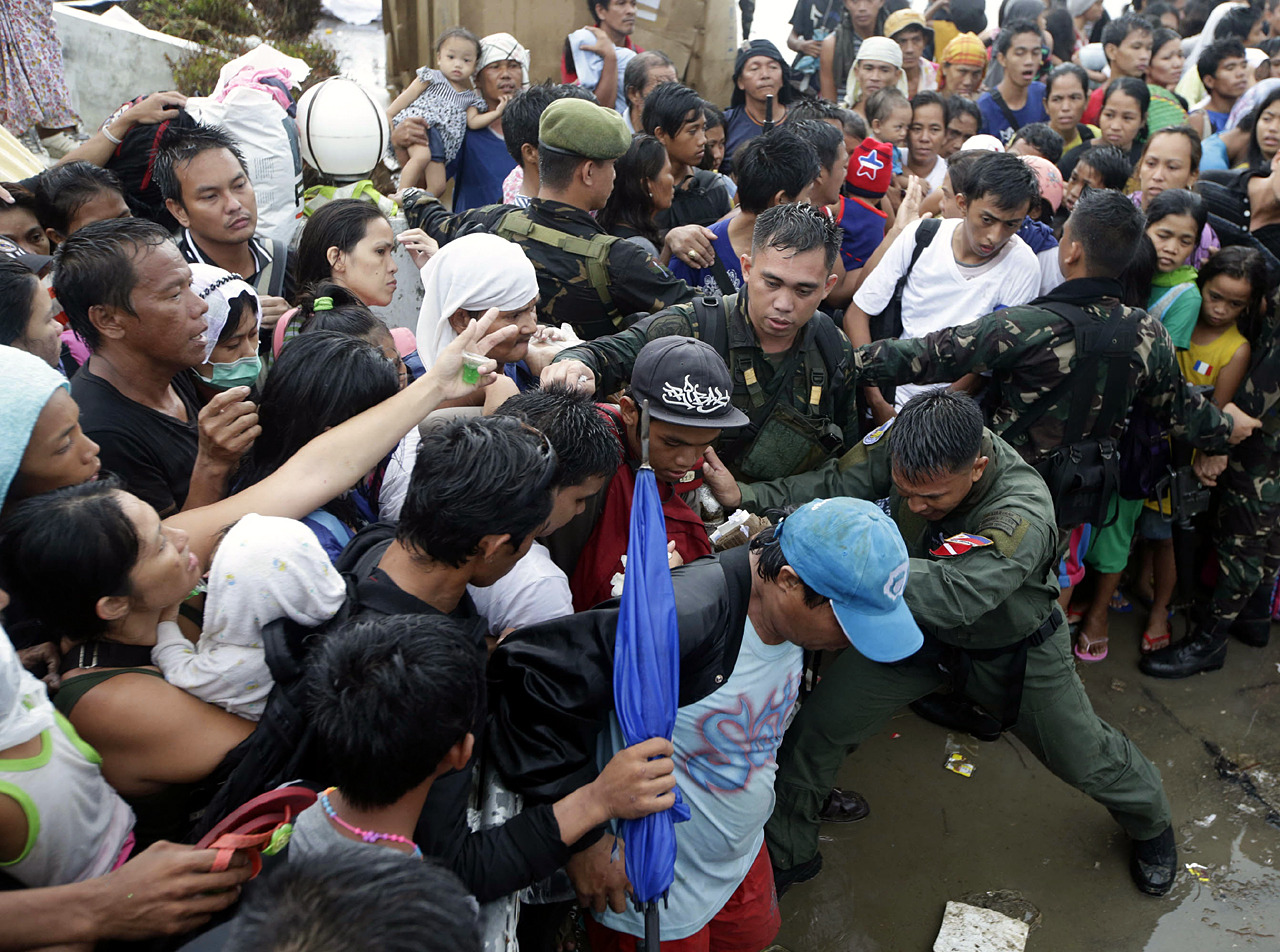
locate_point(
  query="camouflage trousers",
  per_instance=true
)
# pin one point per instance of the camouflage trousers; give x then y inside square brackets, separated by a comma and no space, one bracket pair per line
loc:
[1248,547]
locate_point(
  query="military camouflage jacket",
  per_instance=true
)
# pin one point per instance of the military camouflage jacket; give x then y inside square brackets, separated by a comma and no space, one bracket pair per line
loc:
[1255,463]
[1028,350]
[985,576]
[611,359]
[635,281]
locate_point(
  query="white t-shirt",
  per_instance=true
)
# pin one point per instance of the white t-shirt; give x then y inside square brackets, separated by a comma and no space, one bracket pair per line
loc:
[726,758]
[936,174]
[534,591]
[940,293]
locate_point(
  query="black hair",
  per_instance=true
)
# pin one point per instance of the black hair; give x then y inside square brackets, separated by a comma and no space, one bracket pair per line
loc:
[1118,30]
[458,33]
[771,561]
[969,16]
[342,224]
[1109,162]
[958,104]
[320,379]
[668,107]
[819,109]
[1255,157]
[1108,226]
[180,146]
[780,161]
[62,551]
[713,116]
[18,289]
[1063,70]
[95,266]
[631,202]
[928,97]
[1003,178]
[347,314]
[1161,36]
[856,126]
[1212,56]
[521,117]
[60,192]
[373,899]
[1194,16]
[236,309]
[1154,11]
[473,478]
[1178,201]
[556,169]
[1015,28]
[825,138]
[1248,264]
[1238,22]
[584,442]
[24,200]
[1043,138]
[1192,137]
[1136,90]
[635,76]
[959,167]
[881,103]
[388,697]
[936,433]
[797,228]
[1062,31]
[1135,277]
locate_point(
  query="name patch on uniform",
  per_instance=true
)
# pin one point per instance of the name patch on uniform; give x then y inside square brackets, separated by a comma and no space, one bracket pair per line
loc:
[960,544]
[878,432]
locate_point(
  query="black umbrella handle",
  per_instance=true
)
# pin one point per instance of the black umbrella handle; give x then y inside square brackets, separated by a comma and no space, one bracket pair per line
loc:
[652,930]
[768,113]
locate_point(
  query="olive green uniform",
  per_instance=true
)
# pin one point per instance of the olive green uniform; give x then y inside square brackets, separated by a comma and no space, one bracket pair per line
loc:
[989,595]
[591,280]
[802,402]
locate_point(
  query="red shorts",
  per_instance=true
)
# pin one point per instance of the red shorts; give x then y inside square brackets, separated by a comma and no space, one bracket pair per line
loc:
[748,922]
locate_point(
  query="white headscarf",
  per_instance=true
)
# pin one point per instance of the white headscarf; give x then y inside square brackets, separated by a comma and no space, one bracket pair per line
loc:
[471,273]
[25,709]
[218,288]
[497,47]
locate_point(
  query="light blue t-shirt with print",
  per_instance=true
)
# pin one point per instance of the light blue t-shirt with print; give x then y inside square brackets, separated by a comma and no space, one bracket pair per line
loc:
[726,749]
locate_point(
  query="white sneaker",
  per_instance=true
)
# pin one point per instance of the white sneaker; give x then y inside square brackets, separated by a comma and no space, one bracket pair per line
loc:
[60,143]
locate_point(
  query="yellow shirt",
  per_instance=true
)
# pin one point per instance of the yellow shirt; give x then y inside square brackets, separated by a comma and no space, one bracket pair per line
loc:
[1201,363]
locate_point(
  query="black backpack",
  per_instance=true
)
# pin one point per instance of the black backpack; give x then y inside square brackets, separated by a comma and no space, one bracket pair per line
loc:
[1083,471]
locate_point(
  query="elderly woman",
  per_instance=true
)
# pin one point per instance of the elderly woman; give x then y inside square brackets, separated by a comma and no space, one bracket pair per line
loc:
[483,163]
[467,277]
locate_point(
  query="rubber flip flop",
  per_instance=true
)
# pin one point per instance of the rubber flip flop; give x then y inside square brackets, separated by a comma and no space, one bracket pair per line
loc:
[1120,609]
[1088,658]
[1150,644]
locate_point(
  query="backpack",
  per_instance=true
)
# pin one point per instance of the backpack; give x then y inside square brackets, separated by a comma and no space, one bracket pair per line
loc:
[1083,471]
[594,251]
[282,747]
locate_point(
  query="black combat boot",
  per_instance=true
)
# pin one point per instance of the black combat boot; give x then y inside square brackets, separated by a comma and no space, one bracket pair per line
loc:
[1253,624]
[1205,649]
[957,713]
[843,806]
[1153,863]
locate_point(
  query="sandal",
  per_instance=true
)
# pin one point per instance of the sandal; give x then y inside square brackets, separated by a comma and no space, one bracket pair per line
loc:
[1090,653]
[1150,644]
[1120,603]
[1075,615]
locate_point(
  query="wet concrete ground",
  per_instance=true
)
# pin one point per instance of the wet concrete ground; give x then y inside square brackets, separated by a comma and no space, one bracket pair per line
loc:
[933,835]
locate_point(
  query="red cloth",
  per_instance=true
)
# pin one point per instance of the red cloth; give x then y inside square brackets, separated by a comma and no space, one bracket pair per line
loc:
[748,922]
[1093,109]
[601,557]
[569,75]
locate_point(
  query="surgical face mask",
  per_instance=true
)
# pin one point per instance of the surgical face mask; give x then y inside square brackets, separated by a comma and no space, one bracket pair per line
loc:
[238,373]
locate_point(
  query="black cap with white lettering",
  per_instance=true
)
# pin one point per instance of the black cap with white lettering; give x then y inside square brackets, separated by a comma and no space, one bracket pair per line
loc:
[687,383]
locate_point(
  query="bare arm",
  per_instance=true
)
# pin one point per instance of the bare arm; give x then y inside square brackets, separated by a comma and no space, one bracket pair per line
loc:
[155,108]
[826,76]
[412,92]
[335,460]
[483,120]
[1231,376]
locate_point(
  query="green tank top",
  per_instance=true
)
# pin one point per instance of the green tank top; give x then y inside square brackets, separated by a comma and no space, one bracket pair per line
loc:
[70,693]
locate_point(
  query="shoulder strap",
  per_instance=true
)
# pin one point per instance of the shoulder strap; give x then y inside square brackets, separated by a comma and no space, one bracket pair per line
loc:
[924,237]
[595,250]
[1168,299]
[998,98]
[279,260]
[711,317]
[723,281]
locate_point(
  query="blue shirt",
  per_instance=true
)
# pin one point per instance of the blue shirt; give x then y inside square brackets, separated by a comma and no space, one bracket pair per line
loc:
[483,164]
[1213,155]
[994,123]
[703,279]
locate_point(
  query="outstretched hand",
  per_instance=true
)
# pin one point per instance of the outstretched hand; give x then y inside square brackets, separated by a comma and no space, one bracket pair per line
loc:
[717,478]
[446,373]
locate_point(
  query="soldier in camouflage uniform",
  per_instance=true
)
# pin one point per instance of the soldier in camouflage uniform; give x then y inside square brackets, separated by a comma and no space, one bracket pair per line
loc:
[979,527]
[1029,350]
[585,277]
[791,365]
[1248,532]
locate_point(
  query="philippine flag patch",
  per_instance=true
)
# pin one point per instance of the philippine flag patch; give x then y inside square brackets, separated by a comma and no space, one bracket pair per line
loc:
[1202,368]
[960,544]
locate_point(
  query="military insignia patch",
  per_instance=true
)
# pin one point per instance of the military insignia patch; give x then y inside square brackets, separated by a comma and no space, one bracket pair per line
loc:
[874,435]
[960,544]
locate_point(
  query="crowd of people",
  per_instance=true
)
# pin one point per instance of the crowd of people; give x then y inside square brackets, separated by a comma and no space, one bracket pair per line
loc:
[943,342]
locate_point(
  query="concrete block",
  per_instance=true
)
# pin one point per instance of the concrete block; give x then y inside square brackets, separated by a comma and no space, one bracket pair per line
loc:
[972,929]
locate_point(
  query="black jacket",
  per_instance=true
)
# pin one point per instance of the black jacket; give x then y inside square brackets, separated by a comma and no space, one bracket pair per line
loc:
[491,863]
[551,685]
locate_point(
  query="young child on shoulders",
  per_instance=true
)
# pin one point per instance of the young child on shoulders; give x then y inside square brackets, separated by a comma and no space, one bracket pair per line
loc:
[450,105]
[889,115]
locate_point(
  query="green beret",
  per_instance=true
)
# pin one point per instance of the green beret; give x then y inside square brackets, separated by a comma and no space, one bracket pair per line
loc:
[578,127]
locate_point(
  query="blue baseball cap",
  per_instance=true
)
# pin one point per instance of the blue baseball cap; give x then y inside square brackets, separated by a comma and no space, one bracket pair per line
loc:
[851,552]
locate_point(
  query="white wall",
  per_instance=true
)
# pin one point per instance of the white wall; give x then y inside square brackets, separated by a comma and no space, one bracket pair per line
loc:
[110,59]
